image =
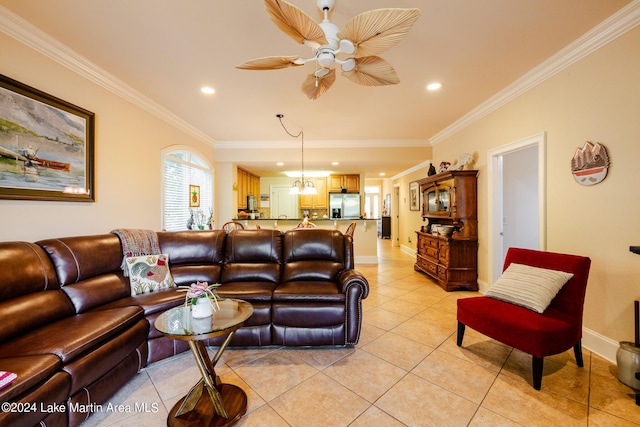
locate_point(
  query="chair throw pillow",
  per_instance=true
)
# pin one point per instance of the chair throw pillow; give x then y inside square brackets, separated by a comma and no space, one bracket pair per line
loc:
[149,273]
[527,286]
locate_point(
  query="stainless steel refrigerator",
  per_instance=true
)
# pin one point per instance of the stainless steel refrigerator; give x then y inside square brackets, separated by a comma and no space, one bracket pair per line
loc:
[344,205]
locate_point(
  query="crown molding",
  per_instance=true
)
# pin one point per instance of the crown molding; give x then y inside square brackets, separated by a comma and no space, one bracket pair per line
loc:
[608,30]
[31,36]
[386,143]
[415,168]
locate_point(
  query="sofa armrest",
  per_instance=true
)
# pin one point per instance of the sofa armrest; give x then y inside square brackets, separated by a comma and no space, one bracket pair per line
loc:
[350,278]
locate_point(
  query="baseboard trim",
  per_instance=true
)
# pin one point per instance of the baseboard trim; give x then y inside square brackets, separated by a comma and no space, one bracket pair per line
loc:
[408,250]
[600,345]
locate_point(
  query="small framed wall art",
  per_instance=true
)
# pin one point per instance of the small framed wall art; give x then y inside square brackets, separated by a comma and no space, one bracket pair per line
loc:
[414,196]
[194,196]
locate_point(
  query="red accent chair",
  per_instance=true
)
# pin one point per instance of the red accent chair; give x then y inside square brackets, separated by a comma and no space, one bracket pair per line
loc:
[556,330]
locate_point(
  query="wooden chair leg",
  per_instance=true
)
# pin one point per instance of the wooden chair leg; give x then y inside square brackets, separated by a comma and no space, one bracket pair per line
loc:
[460,336]
[536,368]
[577,350]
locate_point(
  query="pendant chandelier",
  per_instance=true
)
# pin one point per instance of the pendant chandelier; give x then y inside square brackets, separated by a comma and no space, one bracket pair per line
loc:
[299,186]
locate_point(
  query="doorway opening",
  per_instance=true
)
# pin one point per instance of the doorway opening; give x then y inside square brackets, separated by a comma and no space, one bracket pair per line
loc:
[283,204]
[517,199]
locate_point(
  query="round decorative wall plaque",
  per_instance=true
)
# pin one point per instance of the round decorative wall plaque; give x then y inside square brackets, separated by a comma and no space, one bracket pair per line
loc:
[590,164]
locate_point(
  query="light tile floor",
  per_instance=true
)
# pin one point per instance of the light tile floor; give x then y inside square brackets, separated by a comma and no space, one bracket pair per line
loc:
[405,371]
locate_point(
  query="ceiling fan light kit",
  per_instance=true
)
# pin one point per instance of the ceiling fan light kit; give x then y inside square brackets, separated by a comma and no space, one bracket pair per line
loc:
[364,36]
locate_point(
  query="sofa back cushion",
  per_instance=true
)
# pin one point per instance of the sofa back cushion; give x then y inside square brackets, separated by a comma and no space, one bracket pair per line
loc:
[253,256]
[29,292]
[194,256]
[313,254]
[88,269]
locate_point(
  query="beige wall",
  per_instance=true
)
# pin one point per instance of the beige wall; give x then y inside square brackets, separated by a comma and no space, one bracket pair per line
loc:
[127,160]
[409,221]
[598,100]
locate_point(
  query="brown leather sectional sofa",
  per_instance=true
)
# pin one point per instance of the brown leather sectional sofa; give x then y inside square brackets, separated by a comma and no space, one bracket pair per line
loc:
[74,334]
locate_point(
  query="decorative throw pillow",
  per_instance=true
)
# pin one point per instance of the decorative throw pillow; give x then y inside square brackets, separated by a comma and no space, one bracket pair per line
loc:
[149,273]
[529,287]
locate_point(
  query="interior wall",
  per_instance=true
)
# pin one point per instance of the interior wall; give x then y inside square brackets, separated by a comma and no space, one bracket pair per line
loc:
[597,99]
[128,144]
[409,221]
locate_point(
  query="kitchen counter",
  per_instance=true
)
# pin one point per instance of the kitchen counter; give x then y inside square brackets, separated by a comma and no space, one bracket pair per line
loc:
[310,219]
[365,237]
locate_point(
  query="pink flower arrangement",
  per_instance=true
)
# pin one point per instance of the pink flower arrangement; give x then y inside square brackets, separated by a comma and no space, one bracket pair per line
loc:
[200,290]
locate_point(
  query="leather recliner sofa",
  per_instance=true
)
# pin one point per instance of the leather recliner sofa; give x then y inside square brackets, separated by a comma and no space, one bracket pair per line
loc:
[74,334]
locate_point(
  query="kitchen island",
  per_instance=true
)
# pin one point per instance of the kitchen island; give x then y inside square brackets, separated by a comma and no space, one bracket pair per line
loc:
[365,237]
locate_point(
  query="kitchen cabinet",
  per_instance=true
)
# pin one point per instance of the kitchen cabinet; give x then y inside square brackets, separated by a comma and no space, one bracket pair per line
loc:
[351,183]
[316,201]
[248,185]
[449,198]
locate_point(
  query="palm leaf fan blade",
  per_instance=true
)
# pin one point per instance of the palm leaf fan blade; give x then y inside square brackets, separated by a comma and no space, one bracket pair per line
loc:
[376,31]
[372,71]
[294,22]
[269,63]
[314,86]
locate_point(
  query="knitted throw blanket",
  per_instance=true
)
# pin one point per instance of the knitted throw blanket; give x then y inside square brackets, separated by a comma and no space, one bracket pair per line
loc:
[136,243]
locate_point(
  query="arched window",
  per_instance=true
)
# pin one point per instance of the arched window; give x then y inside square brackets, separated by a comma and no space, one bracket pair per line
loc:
[187,201]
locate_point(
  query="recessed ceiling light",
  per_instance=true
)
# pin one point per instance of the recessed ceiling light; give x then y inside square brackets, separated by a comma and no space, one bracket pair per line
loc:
[381,173]
[207,90]
[280,164]
[434,86]
[335,163]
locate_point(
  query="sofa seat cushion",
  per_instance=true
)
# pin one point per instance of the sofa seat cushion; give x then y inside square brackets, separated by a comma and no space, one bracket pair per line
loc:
[70,337]
[94,364]
[519,327]
[151,303]
[309,291]
[48,400]
[31,371]
[248,291]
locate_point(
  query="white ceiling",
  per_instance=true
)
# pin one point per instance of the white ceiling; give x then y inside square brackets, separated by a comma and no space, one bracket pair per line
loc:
[168,49]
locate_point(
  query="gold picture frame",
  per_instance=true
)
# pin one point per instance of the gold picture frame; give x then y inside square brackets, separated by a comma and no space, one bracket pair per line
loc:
[194,196]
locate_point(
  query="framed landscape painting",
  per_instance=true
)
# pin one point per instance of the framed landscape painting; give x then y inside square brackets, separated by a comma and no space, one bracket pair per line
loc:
[46,146]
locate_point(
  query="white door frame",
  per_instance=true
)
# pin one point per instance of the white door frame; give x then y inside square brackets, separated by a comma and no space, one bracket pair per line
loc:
[395,214]
[495,198]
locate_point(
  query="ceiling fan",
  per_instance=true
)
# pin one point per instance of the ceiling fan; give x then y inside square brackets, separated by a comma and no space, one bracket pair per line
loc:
[363,37]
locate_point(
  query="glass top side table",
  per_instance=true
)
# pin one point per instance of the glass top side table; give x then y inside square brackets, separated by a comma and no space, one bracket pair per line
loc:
[226,403]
